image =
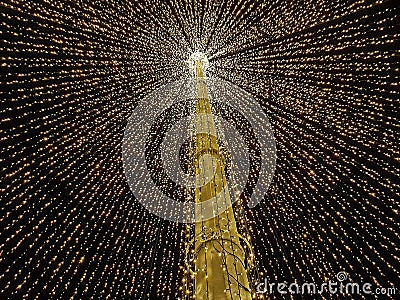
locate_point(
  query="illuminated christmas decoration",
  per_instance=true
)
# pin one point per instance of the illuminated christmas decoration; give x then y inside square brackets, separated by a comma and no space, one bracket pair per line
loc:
[219,259]
[72,73]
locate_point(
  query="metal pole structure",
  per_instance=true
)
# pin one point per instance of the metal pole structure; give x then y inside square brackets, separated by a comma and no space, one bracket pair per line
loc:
[219,259]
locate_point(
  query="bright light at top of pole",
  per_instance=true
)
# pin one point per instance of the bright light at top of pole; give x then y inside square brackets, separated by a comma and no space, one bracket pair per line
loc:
[198,56]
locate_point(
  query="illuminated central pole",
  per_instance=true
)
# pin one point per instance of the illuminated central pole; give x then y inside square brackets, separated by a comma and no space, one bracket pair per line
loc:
[219,257]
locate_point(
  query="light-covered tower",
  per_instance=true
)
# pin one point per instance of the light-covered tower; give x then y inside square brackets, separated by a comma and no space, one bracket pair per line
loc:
[218,269]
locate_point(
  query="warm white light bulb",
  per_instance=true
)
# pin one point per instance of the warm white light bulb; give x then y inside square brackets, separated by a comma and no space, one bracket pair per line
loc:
[198,56]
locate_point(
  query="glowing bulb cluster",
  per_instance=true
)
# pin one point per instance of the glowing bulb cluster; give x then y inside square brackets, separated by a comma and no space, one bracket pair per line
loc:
[326,73]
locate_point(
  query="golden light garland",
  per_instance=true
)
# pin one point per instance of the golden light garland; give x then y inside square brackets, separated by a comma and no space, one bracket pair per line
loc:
[325,72]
